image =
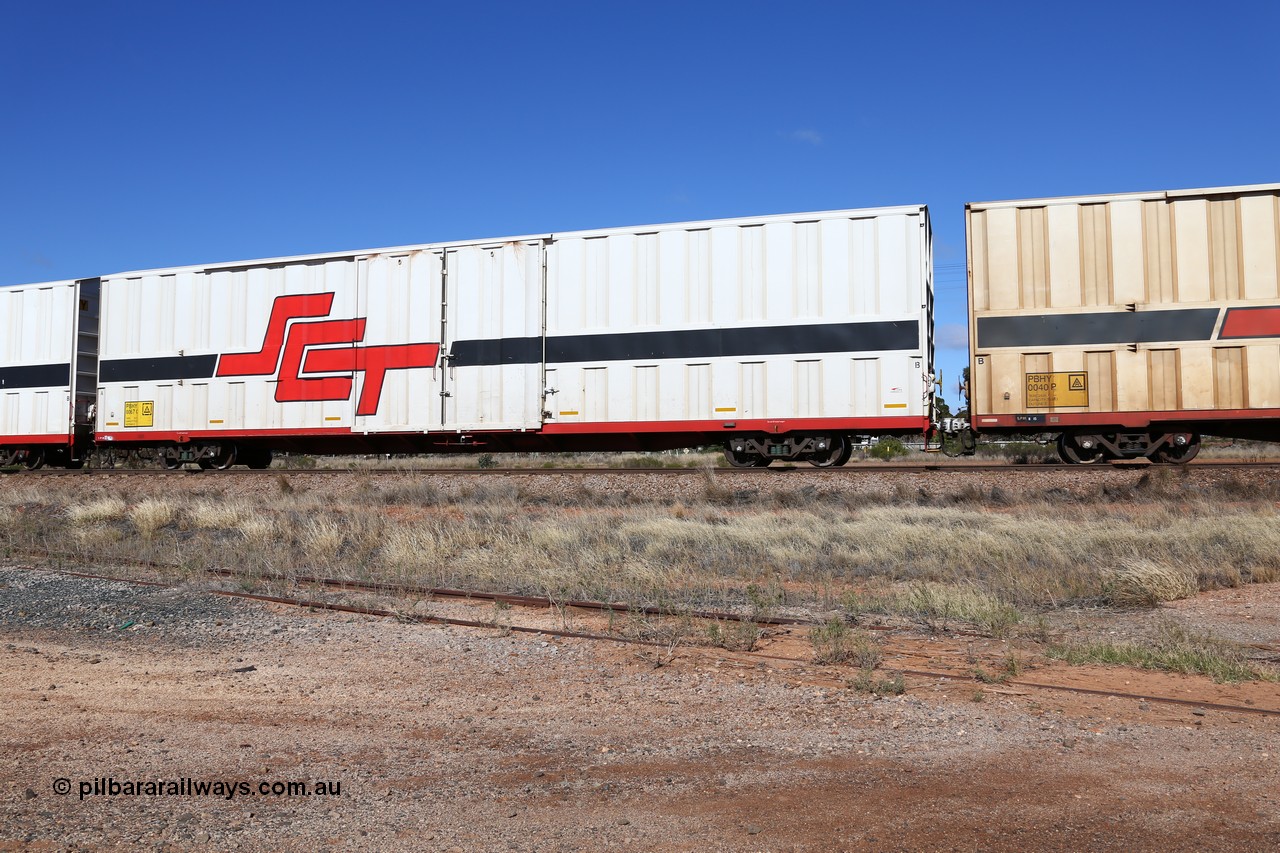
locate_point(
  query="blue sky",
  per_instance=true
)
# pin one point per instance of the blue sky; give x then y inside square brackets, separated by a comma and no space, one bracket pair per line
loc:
[139,135]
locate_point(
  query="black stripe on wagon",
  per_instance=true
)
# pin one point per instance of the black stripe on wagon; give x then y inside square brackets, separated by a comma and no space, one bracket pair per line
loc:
[1115,327]
[500,351]
[694,343]
[157,369]
[35,376]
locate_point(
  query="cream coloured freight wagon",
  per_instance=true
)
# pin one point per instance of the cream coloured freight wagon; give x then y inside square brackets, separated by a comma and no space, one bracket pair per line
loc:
[1127,324]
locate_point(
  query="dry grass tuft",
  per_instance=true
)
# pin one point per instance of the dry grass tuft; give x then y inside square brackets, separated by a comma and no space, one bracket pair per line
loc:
[866,682]
[739,636]
[835,642]
[936,606]
[1173,649]
[322,539]
[1139,582]
[1264,574]
[103,509]
[258,530]
[219,515]
[410,547]
[13,495]
[92,537]
[150,516]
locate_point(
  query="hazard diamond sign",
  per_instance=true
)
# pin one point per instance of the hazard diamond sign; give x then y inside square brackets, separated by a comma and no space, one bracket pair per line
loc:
[1057,390]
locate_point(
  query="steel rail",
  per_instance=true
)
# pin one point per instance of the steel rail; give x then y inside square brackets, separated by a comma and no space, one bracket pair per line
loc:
[795,470]
[582,635]
[540,602]
[508,598]
[365,611]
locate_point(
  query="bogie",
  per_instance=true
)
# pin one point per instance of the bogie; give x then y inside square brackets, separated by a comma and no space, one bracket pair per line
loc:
[1080,448]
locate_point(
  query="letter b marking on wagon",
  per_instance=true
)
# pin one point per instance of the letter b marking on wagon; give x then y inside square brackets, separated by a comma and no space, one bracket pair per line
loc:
[304,355]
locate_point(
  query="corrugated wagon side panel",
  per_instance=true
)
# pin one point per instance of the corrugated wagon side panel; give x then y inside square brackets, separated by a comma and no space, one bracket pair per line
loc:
[495,295]
[186,342]
[37,341]
[1156,304]
[809,317]
[1260,249]
[770,314]
[401,302]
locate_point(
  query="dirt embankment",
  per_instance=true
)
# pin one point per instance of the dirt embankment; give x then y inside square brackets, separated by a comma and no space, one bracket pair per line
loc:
[447,739]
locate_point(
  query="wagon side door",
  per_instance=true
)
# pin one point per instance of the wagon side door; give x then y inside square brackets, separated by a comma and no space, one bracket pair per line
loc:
[494,335]
[398,360]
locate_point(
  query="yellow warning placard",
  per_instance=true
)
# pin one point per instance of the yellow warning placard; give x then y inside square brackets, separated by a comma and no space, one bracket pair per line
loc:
[1057,390]
[140,413]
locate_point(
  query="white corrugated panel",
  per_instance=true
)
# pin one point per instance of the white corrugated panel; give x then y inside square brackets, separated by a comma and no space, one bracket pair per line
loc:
[494,300]
[165,333]
[688,286]
[452,336]
[37,342]
[400,299]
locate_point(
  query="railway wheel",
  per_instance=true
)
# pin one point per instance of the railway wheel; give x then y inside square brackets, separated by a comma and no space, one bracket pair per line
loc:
[1179,454]
[10,457]
[33,458]
[743,459]
[1072,451]
[169,463]
[222,459]
[838,454]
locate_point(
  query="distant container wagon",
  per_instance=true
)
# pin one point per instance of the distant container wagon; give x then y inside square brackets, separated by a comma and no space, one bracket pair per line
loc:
[780,337]
[1127,324]
[48,370]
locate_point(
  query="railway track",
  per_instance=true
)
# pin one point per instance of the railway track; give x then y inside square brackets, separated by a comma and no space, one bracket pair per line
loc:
[409,590]
[772,471]
[815,672]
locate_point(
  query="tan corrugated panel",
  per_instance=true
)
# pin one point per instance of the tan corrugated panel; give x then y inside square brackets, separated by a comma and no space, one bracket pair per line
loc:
[1259,252]
[1229,390]
[1128,273]
[1191,250]
[1100,367]
[1109,198]
[1056,285]
[1165,383]
[1095,254]
[1157,241]
[1262,361]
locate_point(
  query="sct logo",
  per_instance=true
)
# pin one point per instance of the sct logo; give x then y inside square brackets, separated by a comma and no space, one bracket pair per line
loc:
[293,351]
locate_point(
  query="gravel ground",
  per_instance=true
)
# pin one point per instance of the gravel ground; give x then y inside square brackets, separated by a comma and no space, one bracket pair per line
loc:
[449,739]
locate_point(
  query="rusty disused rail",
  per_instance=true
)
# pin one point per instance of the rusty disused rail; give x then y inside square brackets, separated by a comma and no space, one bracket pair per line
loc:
[583,635]
[506,598]
[425,619]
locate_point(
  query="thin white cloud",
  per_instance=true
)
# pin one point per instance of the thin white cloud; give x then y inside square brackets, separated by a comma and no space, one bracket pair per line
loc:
[805,134]
[952,336]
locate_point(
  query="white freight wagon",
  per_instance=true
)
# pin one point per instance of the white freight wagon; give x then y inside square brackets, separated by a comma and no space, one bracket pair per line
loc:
[1128,324]
[48,369]
[779,336]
